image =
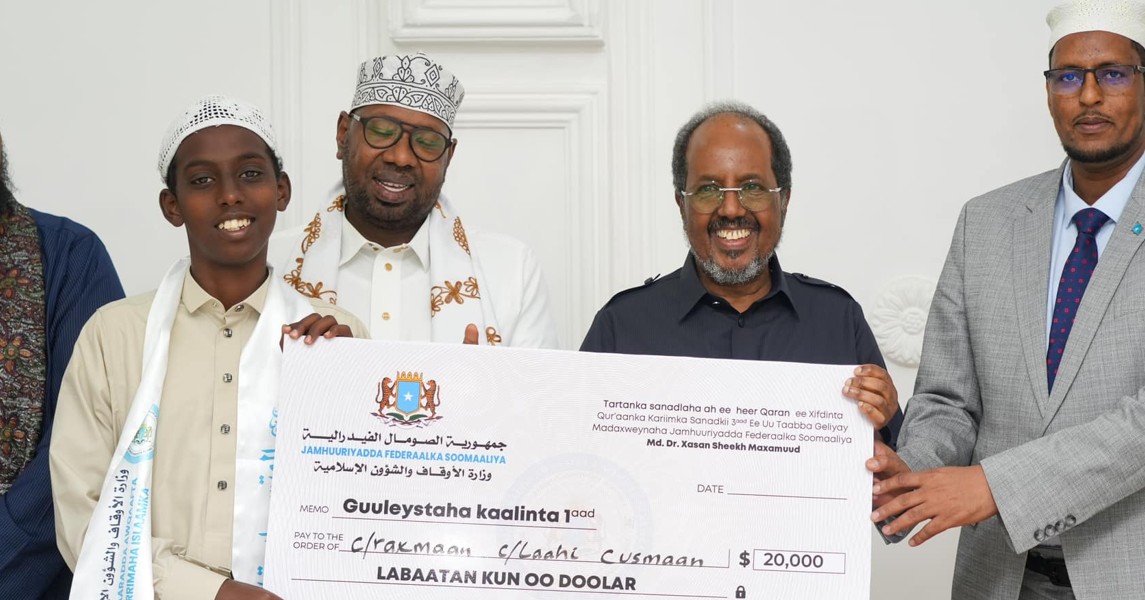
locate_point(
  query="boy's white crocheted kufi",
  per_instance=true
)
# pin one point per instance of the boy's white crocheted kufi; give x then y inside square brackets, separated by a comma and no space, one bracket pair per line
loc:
[413,81]
[212,111]
[1123,17]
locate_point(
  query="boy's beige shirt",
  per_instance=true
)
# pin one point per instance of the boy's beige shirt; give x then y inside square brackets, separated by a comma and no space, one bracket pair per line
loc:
[193,478]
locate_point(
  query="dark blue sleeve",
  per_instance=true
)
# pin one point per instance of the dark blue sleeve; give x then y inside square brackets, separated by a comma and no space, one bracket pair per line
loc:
[868,352]
[79,278]
[890,432]
[600,336]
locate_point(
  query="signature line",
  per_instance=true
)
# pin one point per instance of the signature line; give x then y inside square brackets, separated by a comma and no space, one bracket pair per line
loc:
[783,496]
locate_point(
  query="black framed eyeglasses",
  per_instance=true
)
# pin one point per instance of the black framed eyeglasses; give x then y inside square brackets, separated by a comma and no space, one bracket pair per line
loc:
[1113,79]
[754,196]
[383,132]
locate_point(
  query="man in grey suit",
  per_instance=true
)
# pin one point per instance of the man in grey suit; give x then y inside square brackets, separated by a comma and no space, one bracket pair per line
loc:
[1028,421]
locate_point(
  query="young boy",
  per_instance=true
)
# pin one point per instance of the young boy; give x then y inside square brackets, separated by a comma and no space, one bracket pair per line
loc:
[162,459]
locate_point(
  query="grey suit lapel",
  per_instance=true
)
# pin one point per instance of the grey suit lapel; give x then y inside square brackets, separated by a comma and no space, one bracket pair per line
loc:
[1033,232]
[1105,281]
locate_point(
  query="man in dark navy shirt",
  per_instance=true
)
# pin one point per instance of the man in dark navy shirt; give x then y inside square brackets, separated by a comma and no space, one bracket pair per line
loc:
[732,171]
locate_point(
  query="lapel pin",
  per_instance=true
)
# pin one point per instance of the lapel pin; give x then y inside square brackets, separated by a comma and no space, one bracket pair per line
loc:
[1136,229]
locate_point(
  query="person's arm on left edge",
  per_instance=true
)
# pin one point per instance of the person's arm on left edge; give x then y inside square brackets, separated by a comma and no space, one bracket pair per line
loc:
[79,278]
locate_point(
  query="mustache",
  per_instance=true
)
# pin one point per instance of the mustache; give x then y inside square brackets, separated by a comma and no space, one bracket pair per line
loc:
[1092,114]
[399,173]
[736,223]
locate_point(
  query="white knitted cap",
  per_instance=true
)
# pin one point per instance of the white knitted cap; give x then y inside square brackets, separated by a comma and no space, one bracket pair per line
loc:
[1123,17]
[212,111]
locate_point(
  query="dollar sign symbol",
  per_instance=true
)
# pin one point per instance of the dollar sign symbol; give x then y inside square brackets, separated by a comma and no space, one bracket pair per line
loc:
[743,559]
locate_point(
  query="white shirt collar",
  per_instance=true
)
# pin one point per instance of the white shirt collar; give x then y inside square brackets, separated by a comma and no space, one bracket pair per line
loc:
[354,242]
[1112,203]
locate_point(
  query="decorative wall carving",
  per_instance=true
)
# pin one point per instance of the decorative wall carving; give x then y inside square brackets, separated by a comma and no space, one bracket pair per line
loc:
[898,318]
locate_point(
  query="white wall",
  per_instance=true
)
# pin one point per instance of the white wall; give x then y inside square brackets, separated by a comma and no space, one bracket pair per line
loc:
[897,112]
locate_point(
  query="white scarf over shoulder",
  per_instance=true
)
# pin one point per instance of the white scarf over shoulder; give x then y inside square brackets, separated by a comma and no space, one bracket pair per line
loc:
[115,561]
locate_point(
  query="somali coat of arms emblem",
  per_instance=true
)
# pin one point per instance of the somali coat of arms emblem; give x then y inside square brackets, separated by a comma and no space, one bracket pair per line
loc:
[408,399]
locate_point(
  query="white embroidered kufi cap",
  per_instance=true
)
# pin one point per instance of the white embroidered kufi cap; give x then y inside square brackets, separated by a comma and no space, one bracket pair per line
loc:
[412,81]
[1123,17]
[212,111]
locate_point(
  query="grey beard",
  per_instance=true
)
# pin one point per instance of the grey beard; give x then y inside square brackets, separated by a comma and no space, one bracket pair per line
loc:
[729,277]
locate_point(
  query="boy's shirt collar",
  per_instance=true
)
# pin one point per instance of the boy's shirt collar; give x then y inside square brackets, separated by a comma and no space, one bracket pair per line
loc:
[194,297]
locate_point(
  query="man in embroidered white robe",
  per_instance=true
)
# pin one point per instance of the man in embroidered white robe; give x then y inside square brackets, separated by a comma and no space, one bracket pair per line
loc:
[392,250]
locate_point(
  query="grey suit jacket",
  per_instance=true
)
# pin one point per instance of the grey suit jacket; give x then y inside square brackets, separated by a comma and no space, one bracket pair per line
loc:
[1070,463]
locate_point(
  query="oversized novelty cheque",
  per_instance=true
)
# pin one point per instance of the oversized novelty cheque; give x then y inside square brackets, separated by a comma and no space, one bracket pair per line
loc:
[443,471]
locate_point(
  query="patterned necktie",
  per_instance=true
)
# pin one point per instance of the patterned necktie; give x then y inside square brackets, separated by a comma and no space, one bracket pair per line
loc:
[1075,277]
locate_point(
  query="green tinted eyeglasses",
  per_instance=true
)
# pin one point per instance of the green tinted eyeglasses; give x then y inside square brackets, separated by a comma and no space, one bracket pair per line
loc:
[383,132]
[1113,79]
[753,196]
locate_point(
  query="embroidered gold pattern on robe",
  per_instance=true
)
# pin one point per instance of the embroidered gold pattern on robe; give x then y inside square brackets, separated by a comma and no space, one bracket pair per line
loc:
[452,292]
[310,290]
[294,278]
[492,336]
[459,235]
[313,230]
